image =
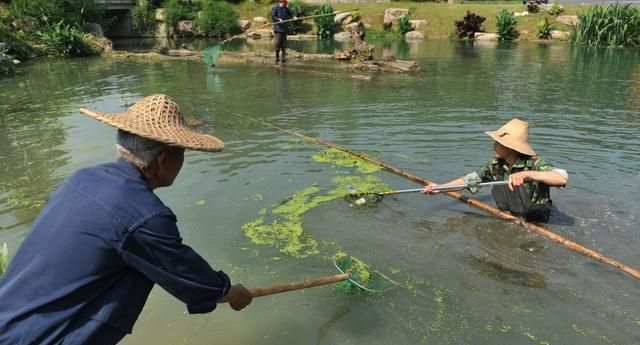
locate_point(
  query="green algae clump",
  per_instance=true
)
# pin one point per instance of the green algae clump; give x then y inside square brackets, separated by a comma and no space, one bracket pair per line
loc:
[345,159]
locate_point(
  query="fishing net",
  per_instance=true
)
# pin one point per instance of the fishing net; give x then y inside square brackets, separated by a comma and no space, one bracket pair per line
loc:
[363,278]
[212,54]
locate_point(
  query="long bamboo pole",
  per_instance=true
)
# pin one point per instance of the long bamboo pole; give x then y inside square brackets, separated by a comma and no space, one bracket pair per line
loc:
[473,202]
[285,21]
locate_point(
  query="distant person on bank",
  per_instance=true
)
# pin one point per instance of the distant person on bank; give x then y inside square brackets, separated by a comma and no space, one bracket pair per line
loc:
[85,269]
[279,13]
[530,177]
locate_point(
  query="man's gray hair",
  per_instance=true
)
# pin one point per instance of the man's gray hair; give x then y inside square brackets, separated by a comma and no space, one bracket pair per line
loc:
[138,150]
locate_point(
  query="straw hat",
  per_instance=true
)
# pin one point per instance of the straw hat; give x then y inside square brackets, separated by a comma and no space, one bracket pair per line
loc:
[514,135]
[158,117]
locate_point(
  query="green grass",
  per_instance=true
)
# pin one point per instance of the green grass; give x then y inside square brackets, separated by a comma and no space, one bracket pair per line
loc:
[440,16]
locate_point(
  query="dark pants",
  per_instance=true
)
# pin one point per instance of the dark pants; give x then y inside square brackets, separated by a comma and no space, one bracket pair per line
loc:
[519,204]
[281,45]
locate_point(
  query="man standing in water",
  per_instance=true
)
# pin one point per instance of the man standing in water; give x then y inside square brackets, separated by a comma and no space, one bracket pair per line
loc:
[279,13]
[527,194]
[85,269]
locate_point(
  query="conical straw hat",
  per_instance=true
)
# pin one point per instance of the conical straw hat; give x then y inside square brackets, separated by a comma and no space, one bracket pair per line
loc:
[158,117]
[514,135]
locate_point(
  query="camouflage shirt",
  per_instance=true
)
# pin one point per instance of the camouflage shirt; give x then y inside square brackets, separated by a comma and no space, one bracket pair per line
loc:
[498,170]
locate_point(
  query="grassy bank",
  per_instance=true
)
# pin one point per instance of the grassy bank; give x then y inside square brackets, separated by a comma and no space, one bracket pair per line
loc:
[440,16]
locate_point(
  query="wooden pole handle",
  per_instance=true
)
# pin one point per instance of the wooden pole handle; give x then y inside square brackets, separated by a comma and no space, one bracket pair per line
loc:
[272,290]
[284,21]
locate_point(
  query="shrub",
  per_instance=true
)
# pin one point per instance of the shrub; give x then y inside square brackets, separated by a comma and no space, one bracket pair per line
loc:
[46,13]
[544,29]
[556,9]
[533,7]
[404,25]
[16,43]
[469,25]
[176,10]
[325,25]
[143,16]
[611,26]
[64,40]
[218,18]
[506,25]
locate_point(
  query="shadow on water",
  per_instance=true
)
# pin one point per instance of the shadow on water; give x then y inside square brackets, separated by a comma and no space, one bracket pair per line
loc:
[508,272]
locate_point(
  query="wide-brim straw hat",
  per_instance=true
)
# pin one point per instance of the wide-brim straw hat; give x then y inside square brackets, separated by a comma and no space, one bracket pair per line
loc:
[158,117]
[514,135]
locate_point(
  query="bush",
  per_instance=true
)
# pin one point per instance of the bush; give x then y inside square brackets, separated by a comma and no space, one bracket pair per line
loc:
[469,25]
[143,16]
[544,29]
[533,7]
[218,18]
[176,10]
[46,13]
[506,25]
[611,26]
[64,40]
[325,25]
[556,9]
[404,25]
[16,43]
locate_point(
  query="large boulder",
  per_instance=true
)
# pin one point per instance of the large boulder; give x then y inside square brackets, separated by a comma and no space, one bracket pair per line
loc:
[419,24]
[244,24]
[186,28]
[342,36]
[413,35]
[94,29]
[567,20]
[262,33]
[559,35]
[343,18]
[391,16]
[260,21]
[160,14]
[486,36]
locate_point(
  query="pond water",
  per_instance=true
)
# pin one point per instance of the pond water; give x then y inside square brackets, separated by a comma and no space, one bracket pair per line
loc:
[465,277]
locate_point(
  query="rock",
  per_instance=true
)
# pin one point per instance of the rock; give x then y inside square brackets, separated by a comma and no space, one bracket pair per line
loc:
[94,28]
[486,36]
[413,35]
[180,52]
[302,37]
[262,33]
[418,24]
[100,44]
[342,36]
[343,18]
[185,28]
[160,14]
[559,35]
[567,20]
[350,26]
[521,14]
[260,20]
[391,16]
[244,24]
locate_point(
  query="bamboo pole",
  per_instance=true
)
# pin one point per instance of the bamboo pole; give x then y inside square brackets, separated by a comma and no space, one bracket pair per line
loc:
[272,290]
[473,202]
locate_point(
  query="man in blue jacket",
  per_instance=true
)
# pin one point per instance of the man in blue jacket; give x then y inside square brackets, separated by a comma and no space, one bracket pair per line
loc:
[85,269]
[279,13]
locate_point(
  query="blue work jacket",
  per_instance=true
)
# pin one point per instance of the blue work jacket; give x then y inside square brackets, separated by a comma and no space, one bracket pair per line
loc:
[94,253]
[278,13]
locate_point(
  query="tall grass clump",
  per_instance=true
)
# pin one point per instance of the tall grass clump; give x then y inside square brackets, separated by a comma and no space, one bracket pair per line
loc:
[506,25]
[218,18]
[404,25]
[325,25]
[64,40]
[43,14]
[612,26]
[544,29]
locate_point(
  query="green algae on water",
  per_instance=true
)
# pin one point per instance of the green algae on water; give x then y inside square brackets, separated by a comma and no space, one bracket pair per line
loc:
[282,226]
[345,159]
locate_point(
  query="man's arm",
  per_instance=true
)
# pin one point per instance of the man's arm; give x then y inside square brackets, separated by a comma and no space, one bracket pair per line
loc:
[156,250]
